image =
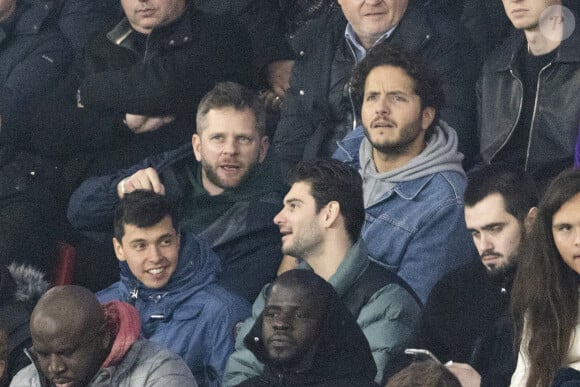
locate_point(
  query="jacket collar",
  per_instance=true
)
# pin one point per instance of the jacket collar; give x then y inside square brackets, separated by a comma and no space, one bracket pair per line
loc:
[174,34]
[506,55]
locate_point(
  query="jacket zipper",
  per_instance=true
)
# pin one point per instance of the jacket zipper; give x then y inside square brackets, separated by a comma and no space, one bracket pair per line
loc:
[517,118]
[349,89]
[534,115]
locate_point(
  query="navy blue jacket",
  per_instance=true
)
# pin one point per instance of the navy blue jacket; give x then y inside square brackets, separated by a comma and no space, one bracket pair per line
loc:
[244,236]
[199,316]
[34,56]
[181,63]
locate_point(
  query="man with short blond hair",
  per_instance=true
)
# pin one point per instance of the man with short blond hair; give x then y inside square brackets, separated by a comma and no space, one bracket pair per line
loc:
[225,187]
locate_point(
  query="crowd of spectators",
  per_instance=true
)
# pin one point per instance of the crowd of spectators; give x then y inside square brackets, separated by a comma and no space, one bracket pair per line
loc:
[290,192]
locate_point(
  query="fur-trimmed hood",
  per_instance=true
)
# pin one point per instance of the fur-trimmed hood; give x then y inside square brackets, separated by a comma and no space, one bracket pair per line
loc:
[21,283]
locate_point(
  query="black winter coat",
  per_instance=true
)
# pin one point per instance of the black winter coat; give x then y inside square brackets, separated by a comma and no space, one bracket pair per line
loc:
[343,357]
[309,116]
[34,56]
[181,63]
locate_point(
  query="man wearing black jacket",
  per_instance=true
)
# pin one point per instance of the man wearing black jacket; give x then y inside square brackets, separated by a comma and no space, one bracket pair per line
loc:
[466,318]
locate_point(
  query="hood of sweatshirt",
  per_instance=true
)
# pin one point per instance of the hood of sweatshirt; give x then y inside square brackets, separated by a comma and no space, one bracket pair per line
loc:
[439,155]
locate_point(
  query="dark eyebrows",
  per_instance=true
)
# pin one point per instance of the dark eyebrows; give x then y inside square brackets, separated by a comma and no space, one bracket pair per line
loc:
[492,225]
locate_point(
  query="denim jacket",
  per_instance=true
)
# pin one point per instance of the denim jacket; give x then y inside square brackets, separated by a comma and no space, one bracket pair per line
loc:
[417,229]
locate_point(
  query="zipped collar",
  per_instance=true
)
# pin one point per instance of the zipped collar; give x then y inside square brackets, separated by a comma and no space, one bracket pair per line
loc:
[507,54]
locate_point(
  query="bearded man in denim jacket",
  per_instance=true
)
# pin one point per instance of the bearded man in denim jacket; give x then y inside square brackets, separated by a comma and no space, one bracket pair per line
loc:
[413,181]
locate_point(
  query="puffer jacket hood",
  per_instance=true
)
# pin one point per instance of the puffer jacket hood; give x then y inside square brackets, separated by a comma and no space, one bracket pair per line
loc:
[343,353]
[21,283]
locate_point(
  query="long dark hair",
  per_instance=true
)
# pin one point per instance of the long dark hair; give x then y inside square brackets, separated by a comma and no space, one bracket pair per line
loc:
[545,292]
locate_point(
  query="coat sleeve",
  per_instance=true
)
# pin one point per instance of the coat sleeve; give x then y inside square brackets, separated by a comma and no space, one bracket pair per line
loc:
[30,79]
[92,204]
[242,364]
[388,321]
[172,83]
[221,344]
[168,369]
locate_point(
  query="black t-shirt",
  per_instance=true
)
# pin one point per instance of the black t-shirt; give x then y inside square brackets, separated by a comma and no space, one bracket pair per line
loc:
[529,67]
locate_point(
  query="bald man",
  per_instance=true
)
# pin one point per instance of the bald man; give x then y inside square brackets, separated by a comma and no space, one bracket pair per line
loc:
[77,342]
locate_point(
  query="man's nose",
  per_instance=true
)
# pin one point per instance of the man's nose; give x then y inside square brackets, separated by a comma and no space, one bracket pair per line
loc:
[55,365]
[230,146]
[279,218]
[383,105]
[283,322]
[486,242]
[154,253]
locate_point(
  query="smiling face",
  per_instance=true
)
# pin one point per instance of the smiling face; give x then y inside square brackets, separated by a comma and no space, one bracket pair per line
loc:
[300,222]
[228,147]
[525,14]
[566,232]
[144,15]
[291,326]
[152,252]
[496,233]
[391,113]
[372,18]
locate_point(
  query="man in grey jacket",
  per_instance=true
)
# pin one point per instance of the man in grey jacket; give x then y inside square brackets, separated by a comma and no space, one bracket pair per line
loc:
[320,224]
[99,346]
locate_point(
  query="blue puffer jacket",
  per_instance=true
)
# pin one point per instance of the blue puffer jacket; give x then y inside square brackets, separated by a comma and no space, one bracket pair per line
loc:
[34,55]
[192,315]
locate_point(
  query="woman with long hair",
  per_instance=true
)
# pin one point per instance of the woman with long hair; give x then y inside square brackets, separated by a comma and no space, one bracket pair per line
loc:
[545,293]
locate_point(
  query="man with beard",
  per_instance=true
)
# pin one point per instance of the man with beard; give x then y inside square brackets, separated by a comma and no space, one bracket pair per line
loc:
[226,191]
[468,307]
[413,181]
[320,224]
[307,337]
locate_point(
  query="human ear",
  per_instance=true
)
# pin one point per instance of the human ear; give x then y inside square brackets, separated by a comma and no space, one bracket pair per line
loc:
[264,145]
[119,252]
[196,144]
[427,117]
[530,219]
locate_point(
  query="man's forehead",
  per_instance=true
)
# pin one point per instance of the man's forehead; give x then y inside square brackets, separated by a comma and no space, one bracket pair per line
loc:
[229,118]
[301,190]
[389,78]
[283,295]
[163,228]
[490,210]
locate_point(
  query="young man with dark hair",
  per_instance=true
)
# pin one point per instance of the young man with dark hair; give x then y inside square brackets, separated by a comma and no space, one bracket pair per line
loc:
[170,278]
[306,336]
[224,189]
[320,224]
[528,100]
[466,317]
[99,345]
[318,111]
[413,179]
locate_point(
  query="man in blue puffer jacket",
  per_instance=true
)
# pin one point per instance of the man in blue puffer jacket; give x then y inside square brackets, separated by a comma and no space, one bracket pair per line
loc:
[171,279]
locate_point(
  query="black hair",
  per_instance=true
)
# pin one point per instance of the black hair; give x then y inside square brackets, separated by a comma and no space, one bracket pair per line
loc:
[332,180]
[142,209]
[517,188]
[427,82]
